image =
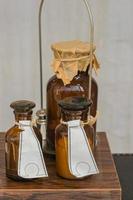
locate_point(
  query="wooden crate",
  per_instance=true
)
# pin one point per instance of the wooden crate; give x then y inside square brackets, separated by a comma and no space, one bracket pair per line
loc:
[104,186]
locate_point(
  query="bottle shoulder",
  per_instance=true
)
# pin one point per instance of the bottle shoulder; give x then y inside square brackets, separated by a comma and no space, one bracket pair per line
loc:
[61,130]
[13,133]
[76,79]
[52,80]
[80,83]
[13,130]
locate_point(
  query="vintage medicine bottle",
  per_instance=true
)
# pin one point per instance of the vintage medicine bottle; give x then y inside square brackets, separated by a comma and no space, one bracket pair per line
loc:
[73,134]
[23,153]
[71,66]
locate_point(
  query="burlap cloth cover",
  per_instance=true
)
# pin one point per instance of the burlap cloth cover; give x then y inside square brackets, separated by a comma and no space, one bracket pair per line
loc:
[71,57]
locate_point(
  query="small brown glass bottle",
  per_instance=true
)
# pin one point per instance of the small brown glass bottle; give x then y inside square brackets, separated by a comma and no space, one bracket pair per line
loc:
[74,108]
[23,113]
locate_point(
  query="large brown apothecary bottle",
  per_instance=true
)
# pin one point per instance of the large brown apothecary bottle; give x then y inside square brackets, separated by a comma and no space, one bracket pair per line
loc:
[23,112]
[71,66]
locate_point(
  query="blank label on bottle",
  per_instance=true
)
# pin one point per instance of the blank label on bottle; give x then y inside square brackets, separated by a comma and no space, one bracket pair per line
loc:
[31,163]
[80,157]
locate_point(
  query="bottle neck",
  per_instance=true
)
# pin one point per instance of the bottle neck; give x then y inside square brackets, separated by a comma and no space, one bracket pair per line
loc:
[22,116]
[68,115]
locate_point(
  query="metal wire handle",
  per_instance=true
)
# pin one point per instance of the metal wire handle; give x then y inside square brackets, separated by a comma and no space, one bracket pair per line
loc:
[91,41]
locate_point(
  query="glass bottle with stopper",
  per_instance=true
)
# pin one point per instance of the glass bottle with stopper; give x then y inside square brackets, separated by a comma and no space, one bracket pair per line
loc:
[75,140]
[23,152]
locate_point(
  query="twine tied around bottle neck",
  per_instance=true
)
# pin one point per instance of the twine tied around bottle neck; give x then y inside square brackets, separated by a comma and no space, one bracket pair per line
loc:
[71,57]
[90,121]
[95,62]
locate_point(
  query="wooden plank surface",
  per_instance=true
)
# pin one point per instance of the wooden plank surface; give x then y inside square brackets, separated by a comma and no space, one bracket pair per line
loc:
[104,186]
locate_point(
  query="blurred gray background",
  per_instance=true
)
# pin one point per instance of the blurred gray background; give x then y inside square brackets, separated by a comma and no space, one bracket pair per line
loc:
[67,20]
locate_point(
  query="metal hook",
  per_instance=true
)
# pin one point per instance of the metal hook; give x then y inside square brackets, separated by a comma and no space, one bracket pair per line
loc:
[42,4]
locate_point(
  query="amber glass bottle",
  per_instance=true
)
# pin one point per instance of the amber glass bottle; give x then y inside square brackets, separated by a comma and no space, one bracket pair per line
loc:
[71,65]
[22,111]
[71,109]
[56,91]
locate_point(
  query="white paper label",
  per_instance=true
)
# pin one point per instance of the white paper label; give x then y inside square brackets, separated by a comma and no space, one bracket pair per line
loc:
[80,157]
[31,163]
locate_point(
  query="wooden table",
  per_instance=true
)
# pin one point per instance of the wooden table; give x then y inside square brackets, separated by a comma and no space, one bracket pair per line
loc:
[104,186]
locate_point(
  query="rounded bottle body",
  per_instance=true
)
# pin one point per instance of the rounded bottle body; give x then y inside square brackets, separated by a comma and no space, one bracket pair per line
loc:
[61,142]
[12,139]
[56,91]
